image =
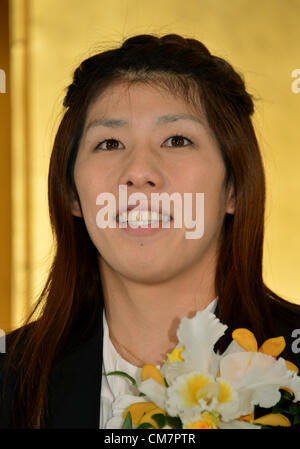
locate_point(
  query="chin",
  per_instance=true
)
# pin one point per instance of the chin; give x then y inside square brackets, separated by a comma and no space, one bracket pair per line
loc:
[152,270]
[147,277]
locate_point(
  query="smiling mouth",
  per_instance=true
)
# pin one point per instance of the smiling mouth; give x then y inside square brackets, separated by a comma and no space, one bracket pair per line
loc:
[143,218]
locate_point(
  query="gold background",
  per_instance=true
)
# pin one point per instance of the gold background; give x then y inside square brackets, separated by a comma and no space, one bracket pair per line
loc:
[49,38]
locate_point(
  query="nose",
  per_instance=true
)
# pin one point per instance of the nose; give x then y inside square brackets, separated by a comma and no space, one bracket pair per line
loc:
[142,172]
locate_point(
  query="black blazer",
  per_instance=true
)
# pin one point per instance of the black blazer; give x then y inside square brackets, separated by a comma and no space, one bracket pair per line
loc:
[74,386]
[75,383]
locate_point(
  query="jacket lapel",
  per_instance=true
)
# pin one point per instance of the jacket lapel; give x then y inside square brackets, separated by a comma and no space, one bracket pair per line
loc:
[216,312]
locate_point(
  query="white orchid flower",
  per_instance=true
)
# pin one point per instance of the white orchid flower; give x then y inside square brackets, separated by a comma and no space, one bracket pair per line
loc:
[226,386]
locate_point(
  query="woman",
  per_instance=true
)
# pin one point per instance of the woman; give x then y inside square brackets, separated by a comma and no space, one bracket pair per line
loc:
[156,115]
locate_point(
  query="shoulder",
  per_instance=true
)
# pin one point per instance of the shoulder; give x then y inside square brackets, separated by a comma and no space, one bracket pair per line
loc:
[9,360]
[285,318]
[73,367]
[13,342]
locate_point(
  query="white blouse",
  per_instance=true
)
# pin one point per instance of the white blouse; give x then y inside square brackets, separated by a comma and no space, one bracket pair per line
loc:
[117,392]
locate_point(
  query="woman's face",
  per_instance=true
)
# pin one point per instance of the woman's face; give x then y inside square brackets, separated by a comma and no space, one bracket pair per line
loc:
[135,146]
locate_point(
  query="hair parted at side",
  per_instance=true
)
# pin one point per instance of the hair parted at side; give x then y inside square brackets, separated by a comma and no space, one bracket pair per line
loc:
[72,296]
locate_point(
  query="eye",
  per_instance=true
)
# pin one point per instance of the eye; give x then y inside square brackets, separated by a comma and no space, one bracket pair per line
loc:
[112,144]
[178,141]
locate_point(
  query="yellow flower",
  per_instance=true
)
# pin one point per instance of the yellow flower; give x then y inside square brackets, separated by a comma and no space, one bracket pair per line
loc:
[207,421]
[142,412]
[247,340]
[273,419]
[138,410]
[271,346]
[200,425]
[247,418]
[151,372]
[147,417]
[175,355]
[197,387]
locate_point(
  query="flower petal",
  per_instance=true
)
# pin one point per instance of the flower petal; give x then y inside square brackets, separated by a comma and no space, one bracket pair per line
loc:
[118,407]
[137,410]
[292,366]
[151,372]
[273,346]
[175,355]
[294,385]
[147,418]
[173,370]
[232,348]
[245,338]
[155,392]
[257,377]
[273,419]
[198,335]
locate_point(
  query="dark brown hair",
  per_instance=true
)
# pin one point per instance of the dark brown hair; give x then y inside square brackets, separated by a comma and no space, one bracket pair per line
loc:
[73,289]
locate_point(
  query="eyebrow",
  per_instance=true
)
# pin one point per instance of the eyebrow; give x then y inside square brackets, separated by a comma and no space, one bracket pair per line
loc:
[118,123]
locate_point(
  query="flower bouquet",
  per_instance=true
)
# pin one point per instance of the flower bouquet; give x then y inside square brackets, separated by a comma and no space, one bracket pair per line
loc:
[198,388]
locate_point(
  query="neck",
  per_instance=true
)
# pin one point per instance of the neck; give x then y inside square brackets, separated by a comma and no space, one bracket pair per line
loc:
[152,312]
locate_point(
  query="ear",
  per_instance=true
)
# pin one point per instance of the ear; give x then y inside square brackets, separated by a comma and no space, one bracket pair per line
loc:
[75,206]
[230,203]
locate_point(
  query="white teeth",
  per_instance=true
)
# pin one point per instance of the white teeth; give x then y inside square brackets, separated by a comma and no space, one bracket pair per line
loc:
[142,217]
